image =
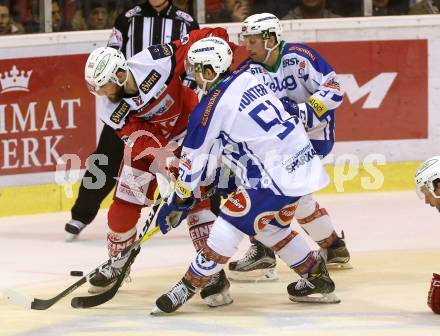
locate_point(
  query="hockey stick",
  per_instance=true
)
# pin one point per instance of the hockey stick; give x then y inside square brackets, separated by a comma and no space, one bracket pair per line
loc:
[41,304]
[96,300]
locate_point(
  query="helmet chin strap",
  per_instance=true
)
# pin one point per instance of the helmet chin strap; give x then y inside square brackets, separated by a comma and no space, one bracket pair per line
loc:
[204,91]
[124,83]
[269,50]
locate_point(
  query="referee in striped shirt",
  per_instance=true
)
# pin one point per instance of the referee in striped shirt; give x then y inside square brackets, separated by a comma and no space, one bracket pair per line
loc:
[154,22]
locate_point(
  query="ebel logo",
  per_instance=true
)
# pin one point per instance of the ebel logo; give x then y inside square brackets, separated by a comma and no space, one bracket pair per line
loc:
[287,83]
[15,80]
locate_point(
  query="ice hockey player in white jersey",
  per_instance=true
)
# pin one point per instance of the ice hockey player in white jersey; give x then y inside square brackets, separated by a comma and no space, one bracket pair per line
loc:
[308,88]
[242,124]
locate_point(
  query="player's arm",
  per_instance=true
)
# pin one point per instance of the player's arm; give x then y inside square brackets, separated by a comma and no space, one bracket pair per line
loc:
[181,47]
[320,79]
[144,139]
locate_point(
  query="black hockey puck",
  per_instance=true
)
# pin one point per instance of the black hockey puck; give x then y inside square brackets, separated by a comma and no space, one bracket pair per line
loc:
[76,273]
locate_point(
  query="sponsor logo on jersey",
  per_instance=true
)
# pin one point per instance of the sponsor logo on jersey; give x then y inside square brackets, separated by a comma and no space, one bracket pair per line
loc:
[257,70]
[302,157]
[181,190]
[159,109]
[285,215]
[149,81]
[138,100]
[120,112]
[290,61]
[303,50]
[160,51]
[332,84]
[132,12]
[160,91]
[238,204]
[317,105]
[287,83]
[209,106]
[186,161]
[262,220]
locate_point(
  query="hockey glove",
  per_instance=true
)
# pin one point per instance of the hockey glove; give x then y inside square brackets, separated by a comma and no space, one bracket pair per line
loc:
[434,294]
[301,111]
[171,214]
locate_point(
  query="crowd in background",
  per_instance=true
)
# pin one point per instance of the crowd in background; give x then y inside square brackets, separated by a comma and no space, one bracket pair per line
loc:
[22,16]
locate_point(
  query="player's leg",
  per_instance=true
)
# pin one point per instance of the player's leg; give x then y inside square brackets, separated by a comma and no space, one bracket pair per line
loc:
[317,223]
[89,200]
[222,244]
[200,220]
[315,284]
[134,189]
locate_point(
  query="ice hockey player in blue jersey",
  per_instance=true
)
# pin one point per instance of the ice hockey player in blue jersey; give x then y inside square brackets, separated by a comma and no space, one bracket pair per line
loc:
[308,87]
[241,125]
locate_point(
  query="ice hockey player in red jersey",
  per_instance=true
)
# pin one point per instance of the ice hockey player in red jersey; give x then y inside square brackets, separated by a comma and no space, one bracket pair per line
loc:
[148,106]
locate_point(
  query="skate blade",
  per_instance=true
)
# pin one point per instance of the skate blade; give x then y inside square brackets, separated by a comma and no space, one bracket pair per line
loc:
[17,298]
[157,312]
[262,275]
[221,299]
[333,266]
[320,298]
[70,237]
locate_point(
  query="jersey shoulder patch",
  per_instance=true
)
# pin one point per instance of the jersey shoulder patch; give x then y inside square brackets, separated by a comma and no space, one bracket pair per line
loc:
[301,50]
[150,81]
[133,12]
[120,112]
[160,51]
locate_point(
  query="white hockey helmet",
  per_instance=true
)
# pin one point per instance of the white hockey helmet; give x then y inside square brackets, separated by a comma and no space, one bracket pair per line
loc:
[427,173]
[212,51]
[264,24]
[101,68]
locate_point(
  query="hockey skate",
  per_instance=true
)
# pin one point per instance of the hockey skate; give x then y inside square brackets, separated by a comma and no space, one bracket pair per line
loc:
[337,256]
[174,299]
[216,292]
[258,264]
[104,279]
[73,228]
[314,287]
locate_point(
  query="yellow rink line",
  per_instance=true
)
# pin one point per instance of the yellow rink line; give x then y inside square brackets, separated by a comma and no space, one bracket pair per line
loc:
[393,176]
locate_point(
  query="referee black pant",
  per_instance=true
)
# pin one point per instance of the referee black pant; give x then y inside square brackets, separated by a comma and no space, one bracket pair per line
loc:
[89,200]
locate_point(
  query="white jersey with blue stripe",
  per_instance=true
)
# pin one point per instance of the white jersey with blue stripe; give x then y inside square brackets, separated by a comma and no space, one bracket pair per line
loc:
[304,77]
[241,124]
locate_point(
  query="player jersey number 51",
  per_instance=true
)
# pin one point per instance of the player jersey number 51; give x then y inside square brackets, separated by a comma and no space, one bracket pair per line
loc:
[265,108]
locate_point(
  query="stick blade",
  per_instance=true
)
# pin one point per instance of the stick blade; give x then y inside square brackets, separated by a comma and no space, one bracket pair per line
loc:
[18,298]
